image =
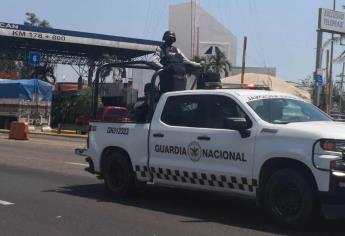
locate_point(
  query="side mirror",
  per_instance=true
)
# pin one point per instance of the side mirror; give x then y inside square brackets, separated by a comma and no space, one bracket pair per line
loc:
[239,124]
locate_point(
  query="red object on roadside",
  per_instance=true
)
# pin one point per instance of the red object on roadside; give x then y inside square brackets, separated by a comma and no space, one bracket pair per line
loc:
[19,131]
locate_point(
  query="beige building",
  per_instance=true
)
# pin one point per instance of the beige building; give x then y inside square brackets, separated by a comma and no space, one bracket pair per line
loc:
[199,33]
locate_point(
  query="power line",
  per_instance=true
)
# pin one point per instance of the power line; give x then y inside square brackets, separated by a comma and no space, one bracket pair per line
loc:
[254,14]
[147,17]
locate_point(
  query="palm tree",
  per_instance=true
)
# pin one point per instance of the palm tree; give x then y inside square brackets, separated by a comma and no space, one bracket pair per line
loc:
[219,63]
[44,24]
[216,63]
[107,58]
[32,19]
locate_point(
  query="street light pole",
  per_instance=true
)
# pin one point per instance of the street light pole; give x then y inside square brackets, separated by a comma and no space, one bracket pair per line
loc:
[327,97]
[244,58]
[341,88]
[318,66]
[329,105]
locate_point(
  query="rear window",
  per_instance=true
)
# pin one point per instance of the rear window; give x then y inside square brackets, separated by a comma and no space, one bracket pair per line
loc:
[183,111]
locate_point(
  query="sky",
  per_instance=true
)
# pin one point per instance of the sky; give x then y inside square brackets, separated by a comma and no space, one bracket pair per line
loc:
[281,34]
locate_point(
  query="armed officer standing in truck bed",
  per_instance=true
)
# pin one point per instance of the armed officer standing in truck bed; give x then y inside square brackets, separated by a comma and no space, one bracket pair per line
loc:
[170,57]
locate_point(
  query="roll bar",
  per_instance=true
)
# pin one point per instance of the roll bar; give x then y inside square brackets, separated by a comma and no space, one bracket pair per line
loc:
[131,64]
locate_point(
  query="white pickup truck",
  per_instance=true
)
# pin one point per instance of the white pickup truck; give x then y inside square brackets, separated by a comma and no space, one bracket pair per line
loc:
[269,146]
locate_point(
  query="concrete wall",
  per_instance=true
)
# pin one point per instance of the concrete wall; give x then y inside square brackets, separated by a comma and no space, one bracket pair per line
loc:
[211,31]
[258,70]
[140,78]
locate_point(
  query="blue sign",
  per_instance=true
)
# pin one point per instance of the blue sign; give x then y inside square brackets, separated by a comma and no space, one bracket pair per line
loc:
[34,58]
[318,80]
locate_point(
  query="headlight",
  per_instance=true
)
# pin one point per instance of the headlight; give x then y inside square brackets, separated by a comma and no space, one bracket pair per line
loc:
[333,145]
[329,154]
[337,165]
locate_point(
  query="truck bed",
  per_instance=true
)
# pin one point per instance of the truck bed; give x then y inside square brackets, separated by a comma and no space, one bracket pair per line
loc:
[127,136]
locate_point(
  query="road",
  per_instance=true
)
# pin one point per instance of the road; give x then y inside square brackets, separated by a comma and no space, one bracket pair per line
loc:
[44,191]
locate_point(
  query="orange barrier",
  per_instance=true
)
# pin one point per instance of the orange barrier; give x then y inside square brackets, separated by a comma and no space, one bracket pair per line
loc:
[19,131]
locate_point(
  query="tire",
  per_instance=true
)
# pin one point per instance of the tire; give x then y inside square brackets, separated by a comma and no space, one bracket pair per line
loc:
[118,175]
[289,198]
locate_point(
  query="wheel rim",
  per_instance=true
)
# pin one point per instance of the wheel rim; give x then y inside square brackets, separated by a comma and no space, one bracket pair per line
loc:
[116,176]
[286,199]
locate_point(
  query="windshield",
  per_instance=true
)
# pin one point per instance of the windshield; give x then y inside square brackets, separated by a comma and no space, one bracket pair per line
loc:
[283,111]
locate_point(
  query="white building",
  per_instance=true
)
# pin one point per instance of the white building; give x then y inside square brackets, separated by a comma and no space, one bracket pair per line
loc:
[198,33]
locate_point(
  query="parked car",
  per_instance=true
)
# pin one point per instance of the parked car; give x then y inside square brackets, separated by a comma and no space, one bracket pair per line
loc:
[106,114]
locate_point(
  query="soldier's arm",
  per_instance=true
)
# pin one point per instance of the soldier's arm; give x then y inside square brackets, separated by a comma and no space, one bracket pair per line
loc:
[187,61]
[156,58]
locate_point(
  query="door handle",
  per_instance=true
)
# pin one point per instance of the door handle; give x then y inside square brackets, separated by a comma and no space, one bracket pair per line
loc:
[206,138]
[158,135]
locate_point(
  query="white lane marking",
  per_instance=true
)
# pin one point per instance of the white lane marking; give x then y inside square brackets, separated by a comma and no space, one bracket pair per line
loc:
[5,203]
[76,163]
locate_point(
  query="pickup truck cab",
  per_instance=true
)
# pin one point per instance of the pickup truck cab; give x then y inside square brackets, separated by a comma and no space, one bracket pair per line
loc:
[269,146]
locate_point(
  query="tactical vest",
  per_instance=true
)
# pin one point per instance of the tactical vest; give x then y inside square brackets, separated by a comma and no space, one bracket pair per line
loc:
[170,55]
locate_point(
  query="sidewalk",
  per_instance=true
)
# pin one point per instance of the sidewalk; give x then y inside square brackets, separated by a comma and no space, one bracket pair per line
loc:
[64,133]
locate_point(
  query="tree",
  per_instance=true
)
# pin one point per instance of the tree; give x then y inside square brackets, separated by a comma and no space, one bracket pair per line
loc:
[43,72]
[45,24]
[106,58]
[8,65]
[216,63]
[219,63]
[22,68]
[33,20]
[67,106]
[91,63]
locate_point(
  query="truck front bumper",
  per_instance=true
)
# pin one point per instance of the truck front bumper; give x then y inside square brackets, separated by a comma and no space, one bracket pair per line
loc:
[333,202]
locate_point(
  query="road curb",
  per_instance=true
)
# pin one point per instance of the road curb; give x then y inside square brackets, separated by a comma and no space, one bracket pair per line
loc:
[4,131]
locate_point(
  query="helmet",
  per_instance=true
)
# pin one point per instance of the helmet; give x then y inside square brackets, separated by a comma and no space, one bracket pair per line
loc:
[169,36]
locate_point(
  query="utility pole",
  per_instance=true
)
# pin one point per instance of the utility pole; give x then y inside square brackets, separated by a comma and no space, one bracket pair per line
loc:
[331,69]
[327,108]
[318,65]
[192,27]
[244,58]
[341,87]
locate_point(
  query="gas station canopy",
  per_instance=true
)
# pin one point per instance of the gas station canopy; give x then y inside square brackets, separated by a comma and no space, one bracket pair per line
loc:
[16,39]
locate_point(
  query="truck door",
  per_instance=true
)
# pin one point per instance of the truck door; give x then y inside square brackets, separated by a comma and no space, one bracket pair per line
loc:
[190,145]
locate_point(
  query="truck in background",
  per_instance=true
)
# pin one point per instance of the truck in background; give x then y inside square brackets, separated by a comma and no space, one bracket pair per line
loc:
[27,100]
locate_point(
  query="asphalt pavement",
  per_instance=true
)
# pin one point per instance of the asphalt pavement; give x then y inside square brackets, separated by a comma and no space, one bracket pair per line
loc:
[45,191]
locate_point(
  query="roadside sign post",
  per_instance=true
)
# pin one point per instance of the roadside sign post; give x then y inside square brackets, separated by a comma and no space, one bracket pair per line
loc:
[330,21]
[318,79]
[34,58]
[318,67]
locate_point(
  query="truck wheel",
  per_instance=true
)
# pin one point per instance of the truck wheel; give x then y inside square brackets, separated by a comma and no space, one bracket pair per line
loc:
[289,198]
[118,175]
